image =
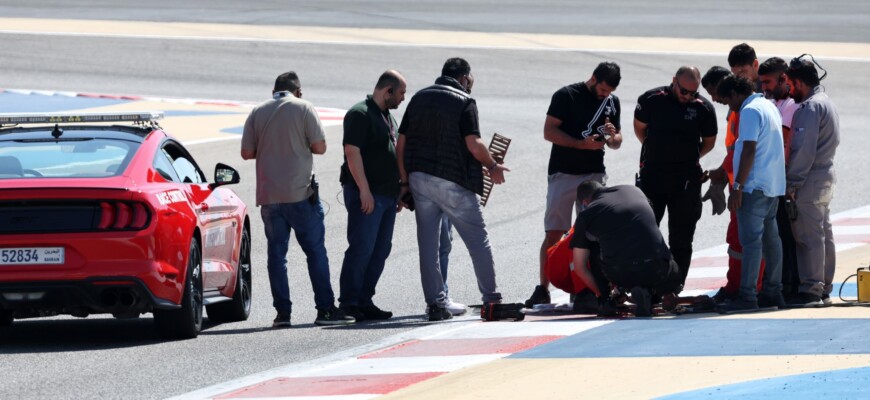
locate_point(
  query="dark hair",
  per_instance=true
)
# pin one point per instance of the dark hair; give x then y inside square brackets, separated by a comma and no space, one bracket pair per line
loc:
[772,65]
[587,189]
[742,54]
[734,84]
[803,70]
[607,72]
[456,67]
[287,81]
[389,79]
[714,75]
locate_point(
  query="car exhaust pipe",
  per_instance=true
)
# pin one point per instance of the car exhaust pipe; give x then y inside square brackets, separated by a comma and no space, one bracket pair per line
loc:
[109,298]
[128,298]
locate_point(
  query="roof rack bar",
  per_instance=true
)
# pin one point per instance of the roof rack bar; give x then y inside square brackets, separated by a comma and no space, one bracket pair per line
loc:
[70,118]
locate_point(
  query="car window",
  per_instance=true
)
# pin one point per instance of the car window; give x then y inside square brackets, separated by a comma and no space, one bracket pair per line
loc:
[164,167]
[77,158]
[183,165]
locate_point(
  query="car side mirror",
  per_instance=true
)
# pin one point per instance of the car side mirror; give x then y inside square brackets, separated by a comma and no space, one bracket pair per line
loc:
[224,175]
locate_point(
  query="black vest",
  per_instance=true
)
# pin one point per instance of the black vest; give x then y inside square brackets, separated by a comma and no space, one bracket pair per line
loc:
[433,142]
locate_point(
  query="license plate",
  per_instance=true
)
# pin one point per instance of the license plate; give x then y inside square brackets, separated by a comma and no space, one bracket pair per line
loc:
[31,255]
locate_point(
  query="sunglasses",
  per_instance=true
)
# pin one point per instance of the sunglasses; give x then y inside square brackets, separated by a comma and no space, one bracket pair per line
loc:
[685,92]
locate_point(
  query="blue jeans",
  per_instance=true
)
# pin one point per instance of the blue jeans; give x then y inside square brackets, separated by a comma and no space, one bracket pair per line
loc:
[756,227]
[369,239]
[434,199]
[307,220]
[444,250]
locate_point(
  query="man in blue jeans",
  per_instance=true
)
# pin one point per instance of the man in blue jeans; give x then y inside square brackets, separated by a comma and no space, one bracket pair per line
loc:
[282,134]
[441,151]
[759,180]
[370,181]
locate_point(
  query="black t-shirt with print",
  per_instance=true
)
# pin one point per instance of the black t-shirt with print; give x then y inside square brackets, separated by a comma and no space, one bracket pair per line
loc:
[582,115]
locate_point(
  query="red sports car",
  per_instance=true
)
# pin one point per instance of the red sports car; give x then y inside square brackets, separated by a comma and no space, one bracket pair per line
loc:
[119,219]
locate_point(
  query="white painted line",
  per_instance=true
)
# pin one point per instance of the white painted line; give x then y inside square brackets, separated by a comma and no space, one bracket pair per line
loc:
[402,365]
[212,140]
[707,272]
[852,230]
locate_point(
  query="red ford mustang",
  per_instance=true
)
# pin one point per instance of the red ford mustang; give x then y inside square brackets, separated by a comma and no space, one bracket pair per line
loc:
[118,219]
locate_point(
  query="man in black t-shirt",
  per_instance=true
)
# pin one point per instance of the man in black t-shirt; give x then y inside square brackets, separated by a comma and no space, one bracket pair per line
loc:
[583,117]
[633,253]
[677,126]
[370,181]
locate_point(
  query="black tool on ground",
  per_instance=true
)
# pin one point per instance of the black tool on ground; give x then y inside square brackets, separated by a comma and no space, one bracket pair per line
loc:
[498,312]
[315,197]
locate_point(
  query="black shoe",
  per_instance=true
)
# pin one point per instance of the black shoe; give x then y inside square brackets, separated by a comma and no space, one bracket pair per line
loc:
[643,300]
[436,313]
[804,299]
[585,303]
[539,296]
[333,316]
[767,301]
[738,305]
[355,312]
[281,321]
[826,300]
[372,312]
[606,308]
[722,296]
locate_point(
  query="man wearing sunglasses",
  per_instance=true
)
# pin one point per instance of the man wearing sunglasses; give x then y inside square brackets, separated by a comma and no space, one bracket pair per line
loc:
[677,126]
[810,180]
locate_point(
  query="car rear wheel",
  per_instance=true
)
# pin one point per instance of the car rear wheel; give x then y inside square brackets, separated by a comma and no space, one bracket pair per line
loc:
[239,308]
[185,322]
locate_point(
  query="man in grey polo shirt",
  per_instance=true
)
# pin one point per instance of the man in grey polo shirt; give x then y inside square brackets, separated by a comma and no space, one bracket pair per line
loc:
[810,181]
[282,134]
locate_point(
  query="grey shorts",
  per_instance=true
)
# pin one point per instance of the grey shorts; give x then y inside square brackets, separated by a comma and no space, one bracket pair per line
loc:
[562,199]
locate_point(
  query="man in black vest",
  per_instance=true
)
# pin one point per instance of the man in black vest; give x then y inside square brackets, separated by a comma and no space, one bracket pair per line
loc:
[442,158]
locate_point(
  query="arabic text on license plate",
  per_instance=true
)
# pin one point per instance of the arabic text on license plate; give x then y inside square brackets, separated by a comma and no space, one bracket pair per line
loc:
[31,255]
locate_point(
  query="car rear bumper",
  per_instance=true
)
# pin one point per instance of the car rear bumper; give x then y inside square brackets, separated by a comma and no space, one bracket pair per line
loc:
[125,296]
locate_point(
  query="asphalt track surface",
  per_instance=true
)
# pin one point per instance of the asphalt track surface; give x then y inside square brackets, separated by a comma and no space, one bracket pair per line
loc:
[71,358]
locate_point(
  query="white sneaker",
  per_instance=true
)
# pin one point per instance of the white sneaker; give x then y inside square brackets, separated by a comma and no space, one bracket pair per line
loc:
[455,308]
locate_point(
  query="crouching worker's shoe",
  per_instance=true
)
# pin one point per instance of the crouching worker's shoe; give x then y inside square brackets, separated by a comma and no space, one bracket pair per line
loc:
[585,303]
[772,301]
[643,301]
[606,307]
[539,296]
[374,313]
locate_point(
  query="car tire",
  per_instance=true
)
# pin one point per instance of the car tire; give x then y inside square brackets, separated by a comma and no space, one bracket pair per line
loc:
[5,318]
[239,308]
[185,322]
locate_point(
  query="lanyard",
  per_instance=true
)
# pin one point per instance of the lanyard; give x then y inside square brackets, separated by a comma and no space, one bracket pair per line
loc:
[389,122]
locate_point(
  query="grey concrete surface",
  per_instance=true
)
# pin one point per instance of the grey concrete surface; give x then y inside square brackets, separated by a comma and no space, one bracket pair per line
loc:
[70,358]
[841,21]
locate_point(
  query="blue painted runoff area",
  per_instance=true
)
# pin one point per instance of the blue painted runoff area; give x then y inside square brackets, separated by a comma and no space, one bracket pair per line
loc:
[851,383]
[711,337]
[850,290]
[31,103]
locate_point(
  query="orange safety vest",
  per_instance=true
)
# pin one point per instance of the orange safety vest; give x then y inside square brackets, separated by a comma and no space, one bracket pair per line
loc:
[730,141]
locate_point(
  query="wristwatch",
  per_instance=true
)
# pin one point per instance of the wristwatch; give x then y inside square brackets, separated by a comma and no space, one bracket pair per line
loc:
[737,187]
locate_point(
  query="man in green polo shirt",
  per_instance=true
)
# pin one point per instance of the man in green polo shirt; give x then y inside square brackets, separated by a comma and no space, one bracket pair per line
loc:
[370,181]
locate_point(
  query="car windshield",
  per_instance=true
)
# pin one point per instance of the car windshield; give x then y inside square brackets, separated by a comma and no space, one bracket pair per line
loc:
[71,158]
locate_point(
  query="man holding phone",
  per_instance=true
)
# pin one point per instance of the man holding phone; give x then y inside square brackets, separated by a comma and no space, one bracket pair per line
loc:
[583,118]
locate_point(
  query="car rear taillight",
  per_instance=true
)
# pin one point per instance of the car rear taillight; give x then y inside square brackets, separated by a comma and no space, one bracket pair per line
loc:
[118,215]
